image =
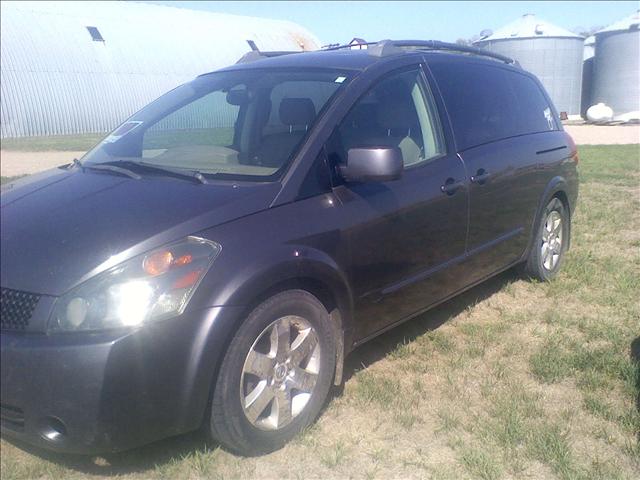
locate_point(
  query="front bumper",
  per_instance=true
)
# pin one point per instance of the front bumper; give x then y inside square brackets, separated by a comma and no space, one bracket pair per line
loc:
[104,392]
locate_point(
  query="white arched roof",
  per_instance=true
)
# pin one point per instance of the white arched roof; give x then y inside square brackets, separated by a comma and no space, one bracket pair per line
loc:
[57,80]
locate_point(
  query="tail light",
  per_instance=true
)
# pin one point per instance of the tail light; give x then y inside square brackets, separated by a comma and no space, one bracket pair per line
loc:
[573,150]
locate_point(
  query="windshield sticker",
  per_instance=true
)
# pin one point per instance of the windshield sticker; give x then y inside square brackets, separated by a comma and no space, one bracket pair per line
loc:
[549,117]
[122,130]
[340,79]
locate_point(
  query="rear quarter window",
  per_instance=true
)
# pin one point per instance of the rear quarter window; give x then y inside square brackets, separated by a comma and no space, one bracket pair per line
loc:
[488,103]
[533,112]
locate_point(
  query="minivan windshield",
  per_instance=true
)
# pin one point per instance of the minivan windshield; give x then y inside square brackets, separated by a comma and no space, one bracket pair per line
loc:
[237,125]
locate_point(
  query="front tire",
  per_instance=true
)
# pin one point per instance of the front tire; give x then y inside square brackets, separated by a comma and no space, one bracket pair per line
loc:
[550,242]
[275,375]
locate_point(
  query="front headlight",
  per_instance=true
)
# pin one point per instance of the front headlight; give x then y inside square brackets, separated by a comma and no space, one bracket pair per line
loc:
[146,288]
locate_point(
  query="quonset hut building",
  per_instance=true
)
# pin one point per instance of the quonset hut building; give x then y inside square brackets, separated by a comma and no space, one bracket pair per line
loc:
[84,67]
[550,52]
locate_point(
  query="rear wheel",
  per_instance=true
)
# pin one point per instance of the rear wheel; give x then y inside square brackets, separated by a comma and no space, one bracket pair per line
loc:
[275,375]
[550,243]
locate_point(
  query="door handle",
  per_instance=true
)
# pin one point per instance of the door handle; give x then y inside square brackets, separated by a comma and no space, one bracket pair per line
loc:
[450,186]
[480,177]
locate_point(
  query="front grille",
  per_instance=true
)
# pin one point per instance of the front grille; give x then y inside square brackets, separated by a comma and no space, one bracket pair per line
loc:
[12,417]
[16,309]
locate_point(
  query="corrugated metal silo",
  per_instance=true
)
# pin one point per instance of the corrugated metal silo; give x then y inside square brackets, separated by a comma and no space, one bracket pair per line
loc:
[587,74]
[617,68]
[551,53]
[81,67]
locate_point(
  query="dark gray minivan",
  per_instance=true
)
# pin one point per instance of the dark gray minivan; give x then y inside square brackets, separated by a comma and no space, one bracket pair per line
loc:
[213,260]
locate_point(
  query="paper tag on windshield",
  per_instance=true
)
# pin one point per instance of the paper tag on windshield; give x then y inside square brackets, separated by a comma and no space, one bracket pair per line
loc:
[340,79]
[122,130]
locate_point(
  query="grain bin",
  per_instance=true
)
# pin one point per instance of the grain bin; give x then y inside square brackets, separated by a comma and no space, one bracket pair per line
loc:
[84,67]
[616,79]
[587,74]
[551,53]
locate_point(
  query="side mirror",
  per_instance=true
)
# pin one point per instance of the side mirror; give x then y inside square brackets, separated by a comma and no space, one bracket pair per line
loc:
[373,164]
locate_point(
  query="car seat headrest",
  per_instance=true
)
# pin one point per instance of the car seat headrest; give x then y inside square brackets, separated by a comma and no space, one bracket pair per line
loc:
[297,111]
[396,113]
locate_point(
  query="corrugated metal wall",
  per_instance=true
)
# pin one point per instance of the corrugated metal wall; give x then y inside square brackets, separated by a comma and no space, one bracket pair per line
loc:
[616,80]
[56,80]
[557,62]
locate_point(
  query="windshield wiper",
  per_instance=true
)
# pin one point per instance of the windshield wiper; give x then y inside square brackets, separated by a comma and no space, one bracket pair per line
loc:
[187,174]
[74,164]
[109,168]
[117,166]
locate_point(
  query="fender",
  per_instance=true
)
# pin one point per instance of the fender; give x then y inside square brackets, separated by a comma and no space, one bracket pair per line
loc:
[555,185]
[316,264]
[284,267]
[271,268]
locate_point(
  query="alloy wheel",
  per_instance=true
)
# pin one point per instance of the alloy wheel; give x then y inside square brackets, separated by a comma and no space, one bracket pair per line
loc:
[551,248]
[280,373]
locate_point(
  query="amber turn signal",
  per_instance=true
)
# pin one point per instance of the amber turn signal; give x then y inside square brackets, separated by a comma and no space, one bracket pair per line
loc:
[188,280]
[158,262]
[183,260]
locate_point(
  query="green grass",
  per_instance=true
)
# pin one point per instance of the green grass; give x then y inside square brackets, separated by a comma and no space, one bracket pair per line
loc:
[75,143]
[334,455]
[480,463]
[375,389]
[550,445]
[511,411]
[84,142]
[177,138]
[513,379]
[611,165]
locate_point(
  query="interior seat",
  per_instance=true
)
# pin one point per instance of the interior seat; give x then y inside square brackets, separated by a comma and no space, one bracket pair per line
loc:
[398,117]
[297,114]
[361,125]
[389,122]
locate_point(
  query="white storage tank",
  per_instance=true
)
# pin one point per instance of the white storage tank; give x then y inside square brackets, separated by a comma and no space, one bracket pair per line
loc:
[616,79]
[84,67]
[553,54]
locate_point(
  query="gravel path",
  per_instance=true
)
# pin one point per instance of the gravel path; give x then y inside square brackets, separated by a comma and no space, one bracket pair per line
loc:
[20,163]
[604,134]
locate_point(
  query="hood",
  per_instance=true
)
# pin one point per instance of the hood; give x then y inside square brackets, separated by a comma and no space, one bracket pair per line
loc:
[59,226]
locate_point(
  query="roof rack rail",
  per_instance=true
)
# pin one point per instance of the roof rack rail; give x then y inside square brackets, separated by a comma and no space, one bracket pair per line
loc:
[385,48]
[354,46]
[391,47]
[257,55]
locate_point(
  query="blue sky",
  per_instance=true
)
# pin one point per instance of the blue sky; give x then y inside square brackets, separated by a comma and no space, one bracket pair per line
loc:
[341,21]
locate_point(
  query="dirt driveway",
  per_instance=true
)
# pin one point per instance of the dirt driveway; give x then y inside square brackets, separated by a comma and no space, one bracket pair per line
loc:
[22,163]
[604,134]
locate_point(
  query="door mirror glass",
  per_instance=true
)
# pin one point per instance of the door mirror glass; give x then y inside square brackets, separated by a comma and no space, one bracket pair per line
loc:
[372,164]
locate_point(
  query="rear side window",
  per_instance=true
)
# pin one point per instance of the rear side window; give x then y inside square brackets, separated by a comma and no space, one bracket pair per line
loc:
[533,112]
[488,103]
